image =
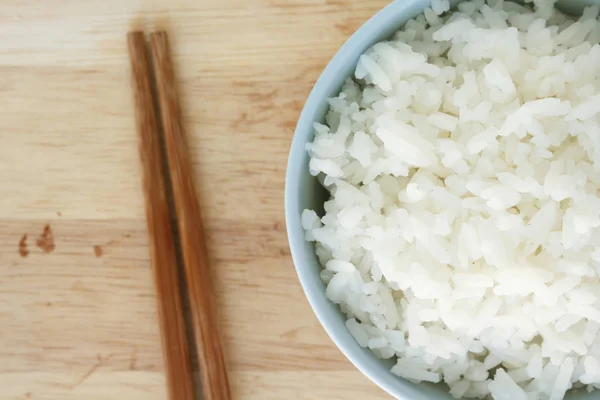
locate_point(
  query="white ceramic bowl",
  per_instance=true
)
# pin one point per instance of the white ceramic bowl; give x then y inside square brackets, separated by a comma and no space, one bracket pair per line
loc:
[303,191]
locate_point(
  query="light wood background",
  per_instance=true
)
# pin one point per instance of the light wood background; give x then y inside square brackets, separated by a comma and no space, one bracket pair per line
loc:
[79,322]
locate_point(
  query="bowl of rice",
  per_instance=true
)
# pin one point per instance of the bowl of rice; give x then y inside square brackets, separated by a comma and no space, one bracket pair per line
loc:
[443,199]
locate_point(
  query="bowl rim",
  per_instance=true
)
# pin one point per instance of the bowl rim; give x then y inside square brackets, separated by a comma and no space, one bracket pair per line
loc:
[362,38]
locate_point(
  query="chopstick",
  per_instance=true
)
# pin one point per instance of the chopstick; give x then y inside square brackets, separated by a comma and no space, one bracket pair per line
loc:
[162,245]
[213,371]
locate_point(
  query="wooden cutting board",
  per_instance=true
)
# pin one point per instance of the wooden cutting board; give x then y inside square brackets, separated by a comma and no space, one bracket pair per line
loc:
[77,307]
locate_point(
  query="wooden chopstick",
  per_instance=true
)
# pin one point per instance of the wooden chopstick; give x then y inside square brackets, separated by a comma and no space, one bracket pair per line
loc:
[213,371]
[162,246]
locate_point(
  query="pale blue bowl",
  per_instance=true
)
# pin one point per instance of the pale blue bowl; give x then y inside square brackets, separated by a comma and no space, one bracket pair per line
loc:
[304,191]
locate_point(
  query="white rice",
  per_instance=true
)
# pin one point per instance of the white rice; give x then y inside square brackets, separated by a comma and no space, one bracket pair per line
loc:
[462,236]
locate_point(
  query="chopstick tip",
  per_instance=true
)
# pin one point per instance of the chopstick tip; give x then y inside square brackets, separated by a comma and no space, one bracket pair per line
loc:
[135,38]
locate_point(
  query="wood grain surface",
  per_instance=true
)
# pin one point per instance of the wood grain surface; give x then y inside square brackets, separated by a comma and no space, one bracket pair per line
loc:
[78,316]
